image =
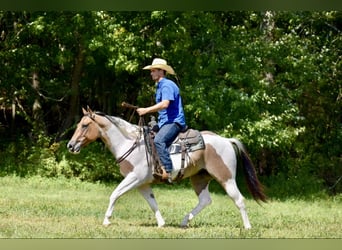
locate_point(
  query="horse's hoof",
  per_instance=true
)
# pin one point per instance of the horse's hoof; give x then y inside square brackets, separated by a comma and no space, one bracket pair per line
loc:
[106,223]
[161,225]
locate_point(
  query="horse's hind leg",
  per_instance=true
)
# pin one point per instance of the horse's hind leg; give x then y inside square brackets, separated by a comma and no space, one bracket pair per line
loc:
[234,193]
[147,193]
[219,170]
[200,183]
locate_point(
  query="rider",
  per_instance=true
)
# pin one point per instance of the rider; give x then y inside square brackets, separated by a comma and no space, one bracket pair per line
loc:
[171,119]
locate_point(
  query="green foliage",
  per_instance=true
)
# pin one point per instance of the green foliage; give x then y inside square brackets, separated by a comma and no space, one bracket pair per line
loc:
[270,78]
[95,163]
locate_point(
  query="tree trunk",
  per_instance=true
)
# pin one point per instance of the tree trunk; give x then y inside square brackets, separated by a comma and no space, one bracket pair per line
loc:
[37,122]
[268,29]
[74,102]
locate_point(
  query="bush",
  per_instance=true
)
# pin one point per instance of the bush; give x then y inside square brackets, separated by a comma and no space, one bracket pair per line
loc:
[93,163]
[26,158]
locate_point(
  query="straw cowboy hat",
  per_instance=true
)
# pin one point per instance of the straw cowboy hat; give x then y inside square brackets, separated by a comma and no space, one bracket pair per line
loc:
[159,63]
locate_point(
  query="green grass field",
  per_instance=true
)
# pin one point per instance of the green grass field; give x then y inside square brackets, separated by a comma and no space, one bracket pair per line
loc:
[60,208]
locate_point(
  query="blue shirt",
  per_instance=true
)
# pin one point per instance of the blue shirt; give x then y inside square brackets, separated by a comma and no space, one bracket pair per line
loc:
[168,90]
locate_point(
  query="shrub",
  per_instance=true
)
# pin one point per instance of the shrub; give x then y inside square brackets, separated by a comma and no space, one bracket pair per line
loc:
[26,158]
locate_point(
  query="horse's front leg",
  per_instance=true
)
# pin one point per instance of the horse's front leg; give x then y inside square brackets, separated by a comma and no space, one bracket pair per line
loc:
[131,181]
[147,193]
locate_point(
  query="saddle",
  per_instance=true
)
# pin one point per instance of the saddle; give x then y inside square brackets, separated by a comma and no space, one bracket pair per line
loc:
[189,140]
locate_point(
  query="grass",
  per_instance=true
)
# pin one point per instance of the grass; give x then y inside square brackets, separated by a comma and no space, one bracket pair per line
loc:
[62,208]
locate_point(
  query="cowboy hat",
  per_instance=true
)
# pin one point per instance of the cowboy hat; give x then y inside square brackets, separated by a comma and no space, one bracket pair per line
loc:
[159,63]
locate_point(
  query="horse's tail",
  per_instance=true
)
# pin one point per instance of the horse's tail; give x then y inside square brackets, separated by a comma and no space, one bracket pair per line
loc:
[253,183]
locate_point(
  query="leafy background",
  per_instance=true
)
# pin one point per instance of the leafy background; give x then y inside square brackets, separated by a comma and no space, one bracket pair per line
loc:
[271,79]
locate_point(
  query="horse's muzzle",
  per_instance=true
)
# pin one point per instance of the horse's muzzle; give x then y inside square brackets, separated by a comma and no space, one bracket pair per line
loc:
[74,147]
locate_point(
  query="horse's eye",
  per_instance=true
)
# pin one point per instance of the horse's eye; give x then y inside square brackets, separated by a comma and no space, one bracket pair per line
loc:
[84,126]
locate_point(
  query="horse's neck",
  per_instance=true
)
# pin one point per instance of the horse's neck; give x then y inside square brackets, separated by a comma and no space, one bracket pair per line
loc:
[121,135]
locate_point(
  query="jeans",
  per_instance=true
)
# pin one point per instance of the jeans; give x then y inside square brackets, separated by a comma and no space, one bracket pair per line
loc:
[163,140]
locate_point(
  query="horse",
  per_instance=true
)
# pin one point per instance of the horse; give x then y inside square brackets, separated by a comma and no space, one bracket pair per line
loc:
[218,160]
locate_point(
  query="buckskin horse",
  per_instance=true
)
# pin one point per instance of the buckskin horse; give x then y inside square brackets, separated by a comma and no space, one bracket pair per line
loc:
[218,160]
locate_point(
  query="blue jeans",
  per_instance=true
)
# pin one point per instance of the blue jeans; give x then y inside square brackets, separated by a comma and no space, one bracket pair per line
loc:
[163,140]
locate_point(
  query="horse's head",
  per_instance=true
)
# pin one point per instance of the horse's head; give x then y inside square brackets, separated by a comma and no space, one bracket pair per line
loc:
[87,131]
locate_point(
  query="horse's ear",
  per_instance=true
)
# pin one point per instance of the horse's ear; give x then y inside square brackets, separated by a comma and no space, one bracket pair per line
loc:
[89,110]
[84,111]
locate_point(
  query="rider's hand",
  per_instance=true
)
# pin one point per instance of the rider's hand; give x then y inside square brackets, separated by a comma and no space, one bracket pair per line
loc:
[142,111]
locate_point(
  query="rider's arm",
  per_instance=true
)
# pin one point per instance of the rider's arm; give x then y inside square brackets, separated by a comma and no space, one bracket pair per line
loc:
[164,104]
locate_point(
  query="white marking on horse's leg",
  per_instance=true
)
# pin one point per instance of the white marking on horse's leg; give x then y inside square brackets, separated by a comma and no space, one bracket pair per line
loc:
[147,193]
[234,193]
[130,182]
[203,201]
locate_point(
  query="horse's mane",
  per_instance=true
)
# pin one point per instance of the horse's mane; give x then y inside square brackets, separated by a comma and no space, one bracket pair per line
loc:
[130,130]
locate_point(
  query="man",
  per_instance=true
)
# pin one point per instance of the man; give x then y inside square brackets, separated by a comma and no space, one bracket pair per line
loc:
[171,119]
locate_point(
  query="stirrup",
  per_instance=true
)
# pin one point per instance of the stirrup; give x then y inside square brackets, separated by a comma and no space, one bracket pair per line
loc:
[163,175]
[160,172]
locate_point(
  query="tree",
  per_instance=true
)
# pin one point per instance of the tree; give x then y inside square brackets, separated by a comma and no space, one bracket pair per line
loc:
[270,78]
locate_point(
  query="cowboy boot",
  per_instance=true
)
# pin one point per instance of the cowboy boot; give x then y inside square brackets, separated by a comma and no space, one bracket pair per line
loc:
[160,173]
[166,176]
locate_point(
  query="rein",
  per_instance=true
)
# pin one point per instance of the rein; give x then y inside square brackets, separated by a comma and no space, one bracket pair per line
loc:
[135,144]
[128,152]
[151,159]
